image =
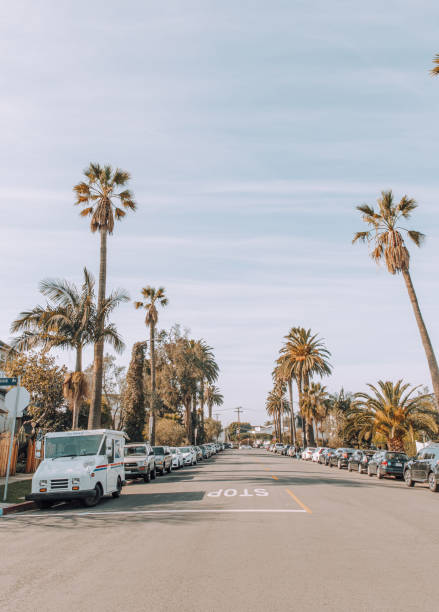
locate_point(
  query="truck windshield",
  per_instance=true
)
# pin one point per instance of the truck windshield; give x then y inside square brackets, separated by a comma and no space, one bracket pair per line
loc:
[135,450]
[71,446]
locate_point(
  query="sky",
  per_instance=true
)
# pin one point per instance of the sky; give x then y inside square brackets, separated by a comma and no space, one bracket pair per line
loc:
[251,130]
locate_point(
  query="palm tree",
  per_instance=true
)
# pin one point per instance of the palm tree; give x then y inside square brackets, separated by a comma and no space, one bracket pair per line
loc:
[393,412]
[303,356]
[282,372]
[274,405]
[205,369]
[385,236]
[152,297]
[68,321]
[315,406]
[104,197]
[435,71]
[212,397]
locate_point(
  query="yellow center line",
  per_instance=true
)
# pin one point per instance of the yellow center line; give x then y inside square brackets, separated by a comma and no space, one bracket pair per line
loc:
[297,500]
[274,477]
[267,469]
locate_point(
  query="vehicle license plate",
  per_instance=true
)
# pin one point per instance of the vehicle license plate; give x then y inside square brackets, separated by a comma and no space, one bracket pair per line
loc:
[398,464]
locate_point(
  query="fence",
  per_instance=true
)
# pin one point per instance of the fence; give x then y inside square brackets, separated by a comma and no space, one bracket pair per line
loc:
[4,453]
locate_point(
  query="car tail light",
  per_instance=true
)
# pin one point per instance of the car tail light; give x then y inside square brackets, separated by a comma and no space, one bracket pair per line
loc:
[364,459]
[383,462]
[345,455]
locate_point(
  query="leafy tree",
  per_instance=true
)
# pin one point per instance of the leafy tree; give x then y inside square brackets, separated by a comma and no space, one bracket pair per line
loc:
[385,237]
[392,412]
[44,381]
[134,400]
[212,429]
[104,197]
[171,432]
[152,297]
[233,429]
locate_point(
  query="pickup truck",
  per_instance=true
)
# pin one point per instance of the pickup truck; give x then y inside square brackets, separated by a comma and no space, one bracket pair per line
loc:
[139,461]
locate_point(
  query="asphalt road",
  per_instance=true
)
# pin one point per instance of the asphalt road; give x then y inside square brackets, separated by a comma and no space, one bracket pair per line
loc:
[245,530]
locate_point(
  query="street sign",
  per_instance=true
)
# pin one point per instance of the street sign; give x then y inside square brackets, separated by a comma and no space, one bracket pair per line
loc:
[8,382]
[11,403]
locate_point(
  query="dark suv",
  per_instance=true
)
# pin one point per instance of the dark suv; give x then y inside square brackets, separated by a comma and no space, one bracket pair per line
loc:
[424,468]
[341,457]
[387,463]
[359,460]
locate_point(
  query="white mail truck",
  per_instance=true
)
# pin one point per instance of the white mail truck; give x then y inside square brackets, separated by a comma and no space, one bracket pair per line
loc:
[84,465]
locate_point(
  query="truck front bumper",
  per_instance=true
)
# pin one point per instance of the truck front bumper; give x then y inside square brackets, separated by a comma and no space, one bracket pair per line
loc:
[60,495]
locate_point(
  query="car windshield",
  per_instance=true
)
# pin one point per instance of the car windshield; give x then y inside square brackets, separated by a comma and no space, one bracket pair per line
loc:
[185,449]
[135,450]
[397,456]
[71,446]
[159,450]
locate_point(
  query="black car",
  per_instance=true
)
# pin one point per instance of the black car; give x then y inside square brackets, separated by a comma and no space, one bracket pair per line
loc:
[387,463]
[360,460]
[341,457]
[328,454]
[424,468]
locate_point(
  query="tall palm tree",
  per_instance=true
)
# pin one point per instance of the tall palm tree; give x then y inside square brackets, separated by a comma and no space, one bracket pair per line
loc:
[152,298]
[213,397]
[282,372]
[435,71]
[393,412]
[385,236]
[104,197]
[275,406]
[68,321]
[205,369]
[303,356]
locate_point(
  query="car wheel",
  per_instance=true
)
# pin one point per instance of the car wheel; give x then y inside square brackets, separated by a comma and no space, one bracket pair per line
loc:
[44,504]
[379,474]
[116,493]
[93,500]
[153,474]
[369,473]
[432,484]
[147,477]
[408,479]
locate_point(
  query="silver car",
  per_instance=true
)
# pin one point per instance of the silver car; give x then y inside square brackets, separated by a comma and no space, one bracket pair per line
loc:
[189,455]
[139,461]
[177,458]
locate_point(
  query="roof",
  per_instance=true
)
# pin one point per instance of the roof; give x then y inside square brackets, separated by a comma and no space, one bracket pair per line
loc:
[86,432]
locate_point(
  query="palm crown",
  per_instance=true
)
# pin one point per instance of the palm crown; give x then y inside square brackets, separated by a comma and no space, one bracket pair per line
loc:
[386,234]
[101,197]
[435,71]
[152,297]
[304,355]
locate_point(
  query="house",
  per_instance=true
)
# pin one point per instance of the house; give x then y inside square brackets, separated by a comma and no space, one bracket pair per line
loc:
[4,349]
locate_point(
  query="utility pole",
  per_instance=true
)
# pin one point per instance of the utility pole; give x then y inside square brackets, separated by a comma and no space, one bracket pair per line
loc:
[238,431]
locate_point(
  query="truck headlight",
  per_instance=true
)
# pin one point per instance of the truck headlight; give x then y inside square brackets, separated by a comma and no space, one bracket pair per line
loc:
[43,483]
[76,481]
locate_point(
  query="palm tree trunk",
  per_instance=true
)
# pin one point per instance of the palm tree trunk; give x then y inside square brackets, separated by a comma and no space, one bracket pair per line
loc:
[152,402]
[94,418]
[202,409]
[428,348]
[187,406]
[292,422]
[76,402]
[300,393]
[210,406]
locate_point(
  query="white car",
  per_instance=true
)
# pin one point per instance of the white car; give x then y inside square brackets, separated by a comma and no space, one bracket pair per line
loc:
[177,458]
[316,454]
[189,455]
[278,447]
[308,452]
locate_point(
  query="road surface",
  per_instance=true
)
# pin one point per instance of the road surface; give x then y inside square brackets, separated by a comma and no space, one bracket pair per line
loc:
[245,530]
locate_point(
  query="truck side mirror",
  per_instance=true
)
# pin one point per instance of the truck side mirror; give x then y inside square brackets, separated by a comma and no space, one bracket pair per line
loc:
[38,449]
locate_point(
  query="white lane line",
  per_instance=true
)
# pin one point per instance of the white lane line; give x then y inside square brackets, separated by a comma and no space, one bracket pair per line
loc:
[119,512]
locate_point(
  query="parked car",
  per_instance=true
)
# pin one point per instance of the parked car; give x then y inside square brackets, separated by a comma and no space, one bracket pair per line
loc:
[308,452]
[360,460]
[323,454]
[205,451]
[329,453]
[285,449]
[278,447]
[341,457]
[177,458]
[424,468]
[316,454]
[199,453]
[387,463]
[189,455]
[139,461]
[163,459]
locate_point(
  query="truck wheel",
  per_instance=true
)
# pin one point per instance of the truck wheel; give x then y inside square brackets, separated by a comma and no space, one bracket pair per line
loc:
[170,468]
[408,479]
[432,484]
[93,500]
[116,493]
[44,504]
[153,474]
[147,478]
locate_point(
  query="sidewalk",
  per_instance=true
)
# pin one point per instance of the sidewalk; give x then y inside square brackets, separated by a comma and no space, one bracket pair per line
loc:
[15,478]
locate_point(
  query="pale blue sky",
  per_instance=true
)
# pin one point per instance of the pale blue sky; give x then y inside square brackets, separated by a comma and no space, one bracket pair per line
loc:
[251,129]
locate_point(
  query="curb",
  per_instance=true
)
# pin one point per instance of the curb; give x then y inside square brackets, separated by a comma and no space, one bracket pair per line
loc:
[29,505]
